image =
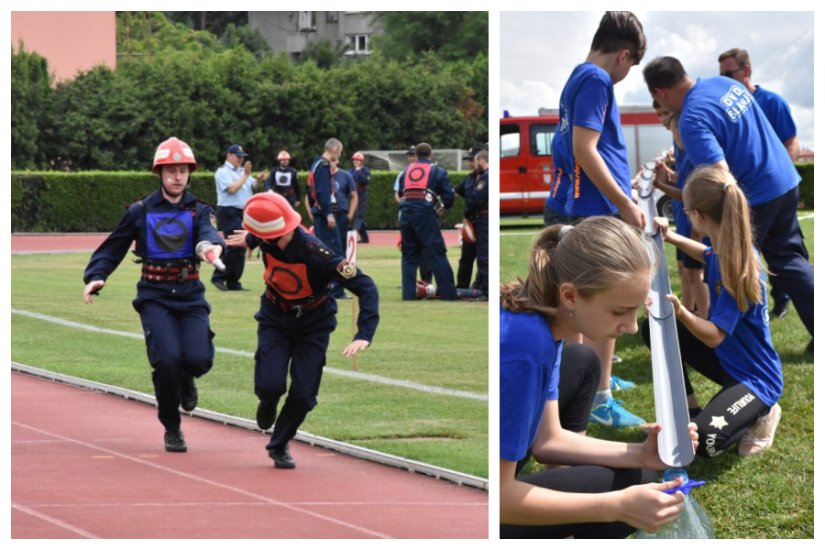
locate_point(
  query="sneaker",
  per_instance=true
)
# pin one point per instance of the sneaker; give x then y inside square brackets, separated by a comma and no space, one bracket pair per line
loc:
[220,285]
[780,309]
[283,459]
[265,417]
[174,442]
[611,413]
[759,437]
[188,392]
[619,384]
[616,358]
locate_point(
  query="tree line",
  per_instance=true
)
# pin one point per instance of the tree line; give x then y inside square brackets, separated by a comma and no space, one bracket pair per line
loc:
[212,91]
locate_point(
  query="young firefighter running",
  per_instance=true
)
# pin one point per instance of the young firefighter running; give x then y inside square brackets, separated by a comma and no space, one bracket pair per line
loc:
[297,314]
[172,231]
[733,347]
[589,278]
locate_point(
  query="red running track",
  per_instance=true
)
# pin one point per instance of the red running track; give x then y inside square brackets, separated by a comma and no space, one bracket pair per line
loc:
[89,465]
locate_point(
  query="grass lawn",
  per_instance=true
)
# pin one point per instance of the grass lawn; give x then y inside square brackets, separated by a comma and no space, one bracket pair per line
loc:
[767,496]
[431,343]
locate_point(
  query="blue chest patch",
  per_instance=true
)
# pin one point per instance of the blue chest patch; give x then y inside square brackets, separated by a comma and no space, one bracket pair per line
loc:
[169,235]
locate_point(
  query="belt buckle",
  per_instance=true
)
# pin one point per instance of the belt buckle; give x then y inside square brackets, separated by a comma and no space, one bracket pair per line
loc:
[182,275]
[298,310]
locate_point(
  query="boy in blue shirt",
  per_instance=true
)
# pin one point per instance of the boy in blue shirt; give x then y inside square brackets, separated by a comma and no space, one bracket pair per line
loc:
[590,152]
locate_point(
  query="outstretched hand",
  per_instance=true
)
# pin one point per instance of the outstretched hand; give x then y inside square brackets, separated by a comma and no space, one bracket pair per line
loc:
[237,239]
[354,347]
[92,288]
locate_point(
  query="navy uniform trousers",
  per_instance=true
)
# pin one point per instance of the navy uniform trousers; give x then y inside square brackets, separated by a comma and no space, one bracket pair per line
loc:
[230,219]
[779,238]
[178,341]
[422,243]
[292,345]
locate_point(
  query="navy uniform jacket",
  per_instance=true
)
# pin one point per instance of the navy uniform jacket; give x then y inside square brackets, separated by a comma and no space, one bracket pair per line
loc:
[162,232]
[466,189]
[284,181]
[302,272]
[320,185]
[479,199]
[361,177]
[438,182]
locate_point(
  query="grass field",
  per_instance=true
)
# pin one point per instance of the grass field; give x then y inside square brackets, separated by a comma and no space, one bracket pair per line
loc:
[430,343]
[767,496]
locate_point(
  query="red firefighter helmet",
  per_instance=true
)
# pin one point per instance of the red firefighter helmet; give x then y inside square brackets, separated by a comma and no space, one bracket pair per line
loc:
[468,232]
[283,155]
[269,215]
[358,156]
[174,151]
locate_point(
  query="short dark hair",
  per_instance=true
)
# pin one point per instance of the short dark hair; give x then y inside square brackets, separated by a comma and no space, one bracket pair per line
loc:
[739,54]
[423,150]
[663,72]
[619,30]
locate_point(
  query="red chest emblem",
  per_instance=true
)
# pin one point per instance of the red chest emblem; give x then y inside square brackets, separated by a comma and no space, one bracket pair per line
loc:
[288,280]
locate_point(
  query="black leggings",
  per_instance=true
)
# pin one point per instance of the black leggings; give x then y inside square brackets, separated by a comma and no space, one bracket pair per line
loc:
[578,380]
[730,412]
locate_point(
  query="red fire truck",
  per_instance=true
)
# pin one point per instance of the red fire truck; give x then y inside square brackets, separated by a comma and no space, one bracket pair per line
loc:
[527,164]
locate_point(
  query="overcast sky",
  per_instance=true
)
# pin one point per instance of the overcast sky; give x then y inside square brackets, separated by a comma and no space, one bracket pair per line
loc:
[540,49]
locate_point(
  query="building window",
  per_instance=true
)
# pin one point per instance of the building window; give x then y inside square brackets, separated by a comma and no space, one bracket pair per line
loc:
[358,44]
[332,17]
[306,20]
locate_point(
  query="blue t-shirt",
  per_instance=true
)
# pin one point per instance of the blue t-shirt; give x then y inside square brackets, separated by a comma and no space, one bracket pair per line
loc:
[683,169]
[344,184]
[528,376]
[588,100]
[747,352]
[778,112]
[721,120]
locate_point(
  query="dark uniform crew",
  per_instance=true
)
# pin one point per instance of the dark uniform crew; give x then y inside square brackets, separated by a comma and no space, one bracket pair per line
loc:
[425,190]
[297,315]
[478,214]
[167,227]
[283,179]
[468,247]
[361,174]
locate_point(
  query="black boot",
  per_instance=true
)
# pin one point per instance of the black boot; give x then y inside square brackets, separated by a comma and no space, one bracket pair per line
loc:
[283,459]
[174,442]
[188,392]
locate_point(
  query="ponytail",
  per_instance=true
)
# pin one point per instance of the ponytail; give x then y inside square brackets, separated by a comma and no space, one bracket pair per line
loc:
[715,193]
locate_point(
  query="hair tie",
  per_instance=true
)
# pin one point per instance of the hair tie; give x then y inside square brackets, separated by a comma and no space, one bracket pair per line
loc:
[725,187]
[564,230]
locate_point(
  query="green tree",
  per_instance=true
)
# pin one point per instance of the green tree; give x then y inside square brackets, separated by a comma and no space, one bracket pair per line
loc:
[30,99]
[453,35]
[323,53]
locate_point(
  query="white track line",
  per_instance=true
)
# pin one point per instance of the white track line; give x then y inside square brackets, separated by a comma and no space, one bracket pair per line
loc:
[438,390]
[54,521]
[210,482]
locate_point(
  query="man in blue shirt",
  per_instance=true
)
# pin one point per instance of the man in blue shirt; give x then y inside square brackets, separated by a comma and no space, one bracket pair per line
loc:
[736,64]
[234,185]
[590,160]
[722,125]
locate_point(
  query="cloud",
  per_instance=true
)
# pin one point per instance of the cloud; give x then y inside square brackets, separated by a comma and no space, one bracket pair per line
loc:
[540,49]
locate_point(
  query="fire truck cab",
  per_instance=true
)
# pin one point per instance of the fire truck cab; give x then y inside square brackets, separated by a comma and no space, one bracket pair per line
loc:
[526,163]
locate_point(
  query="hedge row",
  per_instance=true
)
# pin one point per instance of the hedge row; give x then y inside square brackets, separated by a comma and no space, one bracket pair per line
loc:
[95,201]
[806,186]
